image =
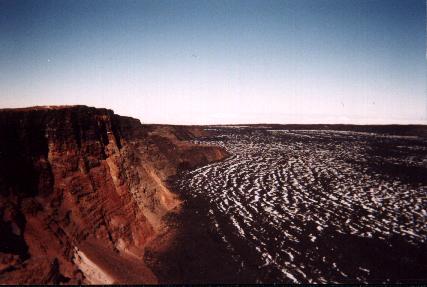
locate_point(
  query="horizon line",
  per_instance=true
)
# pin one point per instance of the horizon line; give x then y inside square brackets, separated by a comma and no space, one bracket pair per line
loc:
[393,122]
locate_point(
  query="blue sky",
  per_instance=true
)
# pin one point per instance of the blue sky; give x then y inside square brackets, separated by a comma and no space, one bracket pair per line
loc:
[200,62]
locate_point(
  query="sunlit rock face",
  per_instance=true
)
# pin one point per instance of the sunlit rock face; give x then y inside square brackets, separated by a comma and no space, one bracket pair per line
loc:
[82,191]
[311,205]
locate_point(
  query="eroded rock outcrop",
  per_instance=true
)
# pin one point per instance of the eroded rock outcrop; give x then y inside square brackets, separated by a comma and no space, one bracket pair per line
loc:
[82,191]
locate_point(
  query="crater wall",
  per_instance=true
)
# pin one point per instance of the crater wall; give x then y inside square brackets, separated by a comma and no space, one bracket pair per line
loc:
[83,190]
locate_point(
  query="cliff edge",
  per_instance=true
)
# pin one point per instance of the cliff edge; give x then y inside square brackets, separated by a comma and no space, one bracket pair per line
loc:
[82,192]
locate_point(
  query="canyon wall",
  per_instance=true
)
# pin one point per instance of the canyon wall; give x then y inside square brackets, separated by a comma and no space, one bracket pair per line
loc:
[82,192]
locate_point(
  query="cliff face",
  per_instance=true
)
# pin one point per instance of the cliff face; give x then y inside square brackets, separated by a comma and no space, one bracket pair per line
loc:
[82,191]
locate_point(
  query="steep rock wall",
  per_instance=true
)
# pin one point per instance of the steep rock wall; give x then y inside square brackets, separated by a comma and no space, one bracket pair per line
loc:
[82,191]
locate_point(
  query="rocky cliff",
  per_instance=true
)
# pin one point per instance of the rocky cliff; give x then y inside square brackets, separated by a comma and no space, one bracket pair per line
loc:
[82,192]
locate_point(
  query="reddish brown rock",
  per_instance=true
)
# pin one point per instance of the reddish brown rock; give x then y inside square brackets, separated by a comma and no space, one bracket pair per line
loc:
[82,191]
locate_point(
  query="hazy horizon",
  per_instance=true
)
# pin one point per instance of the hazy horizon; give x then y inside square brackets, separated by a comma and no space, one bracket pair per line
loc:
[219,62]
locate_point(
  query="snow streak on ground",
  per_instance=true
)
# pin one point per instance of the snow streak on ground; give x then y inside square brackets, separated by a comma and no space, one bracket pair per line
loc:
[316,205]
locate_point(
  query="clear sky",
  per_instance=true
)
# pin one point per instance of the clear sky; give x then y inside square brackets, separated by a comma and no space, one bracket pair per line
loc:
[200,62]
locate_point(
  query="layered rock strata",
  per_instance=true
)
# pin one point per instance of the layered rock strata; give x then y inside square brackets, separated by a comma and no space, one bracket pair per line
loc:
[82,192]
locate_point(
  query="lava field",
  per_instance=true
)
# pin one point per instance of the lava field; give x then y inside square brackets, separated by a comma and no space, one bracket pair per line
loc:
[315,205]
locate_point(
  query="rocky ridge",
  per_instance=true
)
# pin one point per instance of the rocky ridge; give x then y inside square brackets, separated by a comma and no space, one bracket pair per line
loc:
[83,191]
